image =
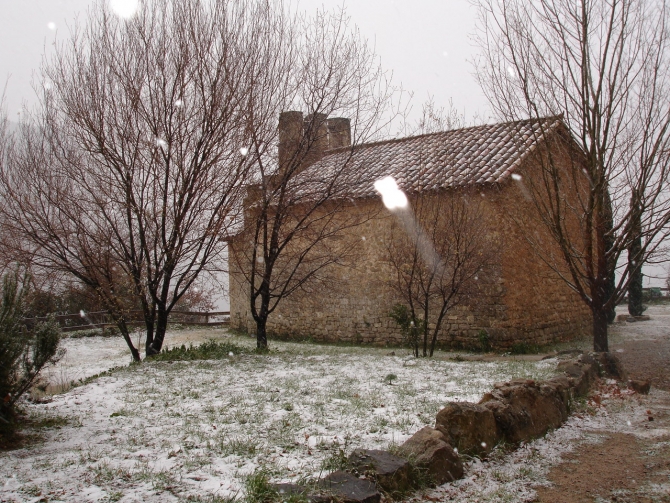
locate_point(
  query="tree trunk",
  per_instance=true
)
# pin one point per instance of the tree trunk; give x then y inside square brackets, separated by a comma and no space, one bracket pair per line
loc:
[261,332]
[600,329]
[425,330]
[161,327]
[610,284]
[123,328]
[635,307]
[150,335]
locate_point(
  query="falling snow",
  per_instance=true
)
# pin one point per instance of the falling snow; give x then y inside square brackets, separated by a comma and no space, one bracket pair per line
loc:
[124,8]
[392,197]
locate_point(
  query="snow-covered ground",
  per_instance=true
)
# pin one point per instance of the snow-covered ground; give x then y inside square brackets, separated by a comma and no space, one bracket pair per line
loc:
[88,356]
[177,431]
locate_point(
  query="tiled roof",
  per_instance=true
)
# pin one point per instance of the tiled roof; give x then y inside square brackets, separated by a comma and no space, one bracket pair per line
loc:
[475,155]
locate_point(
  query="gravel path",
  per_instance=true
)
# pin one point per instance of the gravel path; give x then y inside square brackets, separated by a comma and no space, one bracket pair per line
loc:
[634,465]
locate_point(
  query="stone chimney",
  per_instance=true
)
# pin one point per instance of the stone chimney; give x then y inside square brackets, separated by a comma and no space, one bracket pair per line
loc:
[316,137]
[314,134]
[339,132]
[290,136]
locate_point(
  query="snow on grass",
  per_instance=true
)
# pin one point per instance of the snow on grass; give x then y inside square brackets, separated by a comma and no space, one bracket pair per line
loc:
[164,431]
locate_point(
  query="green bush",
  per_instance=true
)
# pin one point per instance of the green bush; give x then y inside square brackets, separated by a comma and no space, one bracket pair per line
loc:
[484,341]
[411,327]
[23,352]
[210,350]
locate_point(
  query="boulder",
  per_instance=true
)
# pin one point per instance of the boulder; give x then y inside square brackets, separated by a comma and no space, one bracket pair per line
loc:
[392,473]
[524,410]
[347,488]
[582,374]
[428,449]
[469,427]
[610,365]
[560,386]
[640,386]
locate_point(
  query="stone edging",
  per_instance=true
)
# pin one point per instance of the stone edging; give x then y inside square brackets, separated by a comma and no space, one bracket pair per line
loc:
[516,411]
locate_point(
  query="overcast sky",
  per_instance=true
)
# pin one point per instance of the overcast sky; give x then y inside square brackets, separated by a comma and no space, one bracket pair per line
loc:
[426,43]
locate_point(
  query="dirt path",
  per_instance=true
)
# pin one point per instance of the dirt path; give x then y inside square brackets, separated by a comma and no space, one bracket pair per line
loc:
[632,466]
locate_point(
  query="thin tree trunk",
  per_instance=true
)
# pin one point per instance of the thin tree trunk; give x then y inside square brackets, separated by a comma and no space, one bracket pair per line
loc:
[123,328]
[610,285]
[425,330]
[635,307]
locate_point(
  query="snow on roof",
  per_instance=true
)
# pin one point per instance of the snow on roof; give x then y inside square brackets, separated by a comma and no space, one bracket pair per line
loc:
[476,155]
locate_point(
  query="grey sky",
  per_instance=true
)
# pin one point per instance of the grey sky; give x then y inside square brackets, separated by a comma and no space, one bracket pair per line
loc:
[424,42]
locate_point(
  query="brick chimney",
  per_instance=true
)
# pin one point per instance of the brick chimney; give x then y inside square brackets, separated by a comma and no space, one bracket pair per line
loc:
[339,132]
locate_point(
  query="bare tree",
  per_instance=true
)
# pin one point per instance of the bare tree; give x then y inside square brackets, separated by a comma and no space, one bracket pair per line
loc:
[131,171]
[294,224]
[603,64]
[438,252]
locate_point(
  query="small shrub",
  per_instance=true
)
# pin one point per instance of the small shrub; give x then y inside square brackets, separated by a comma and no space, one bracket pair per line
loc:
[484,341]
[523,348]
[390,378]
[210,350]
[23,353]
[411,327]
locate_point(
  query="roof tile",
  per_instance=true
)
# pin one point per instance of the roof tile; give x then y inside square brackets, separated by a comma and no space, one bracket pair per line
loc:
[476,155]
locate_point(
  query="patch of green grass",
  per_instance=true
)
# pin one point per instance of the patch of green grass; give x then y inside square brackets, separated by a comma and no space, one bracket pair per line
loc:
[31,490]
[210,350]
[113,497]
[258,488]
[237,446]
[524,348]
[120,413]
[40,422]
[336,460]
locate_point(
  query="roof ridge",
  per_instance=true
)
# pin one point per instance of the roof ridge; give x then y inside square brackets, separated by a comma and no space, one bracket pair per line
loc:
[339,150]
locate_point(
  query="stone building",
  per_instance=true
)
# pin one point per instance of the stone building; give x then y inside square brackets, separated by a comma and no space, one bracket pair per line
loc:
[524,300]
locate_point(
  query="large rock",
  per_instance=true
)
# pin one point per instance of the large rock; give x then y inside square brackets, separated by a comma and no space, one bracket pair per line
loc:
[346,488]
[560,386]
[469,427]
[429,450]
[524,409]
[642,386]
[391,473]
[582,373]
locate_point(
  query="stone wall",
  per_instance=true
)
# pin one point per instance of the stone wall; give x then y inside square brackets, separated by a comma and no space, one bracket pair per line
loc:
[521,300]
[539,306]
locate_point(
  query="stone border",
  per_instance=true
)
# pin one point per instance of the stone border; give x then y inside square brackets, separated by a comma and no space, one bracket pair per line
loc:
[513,412]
